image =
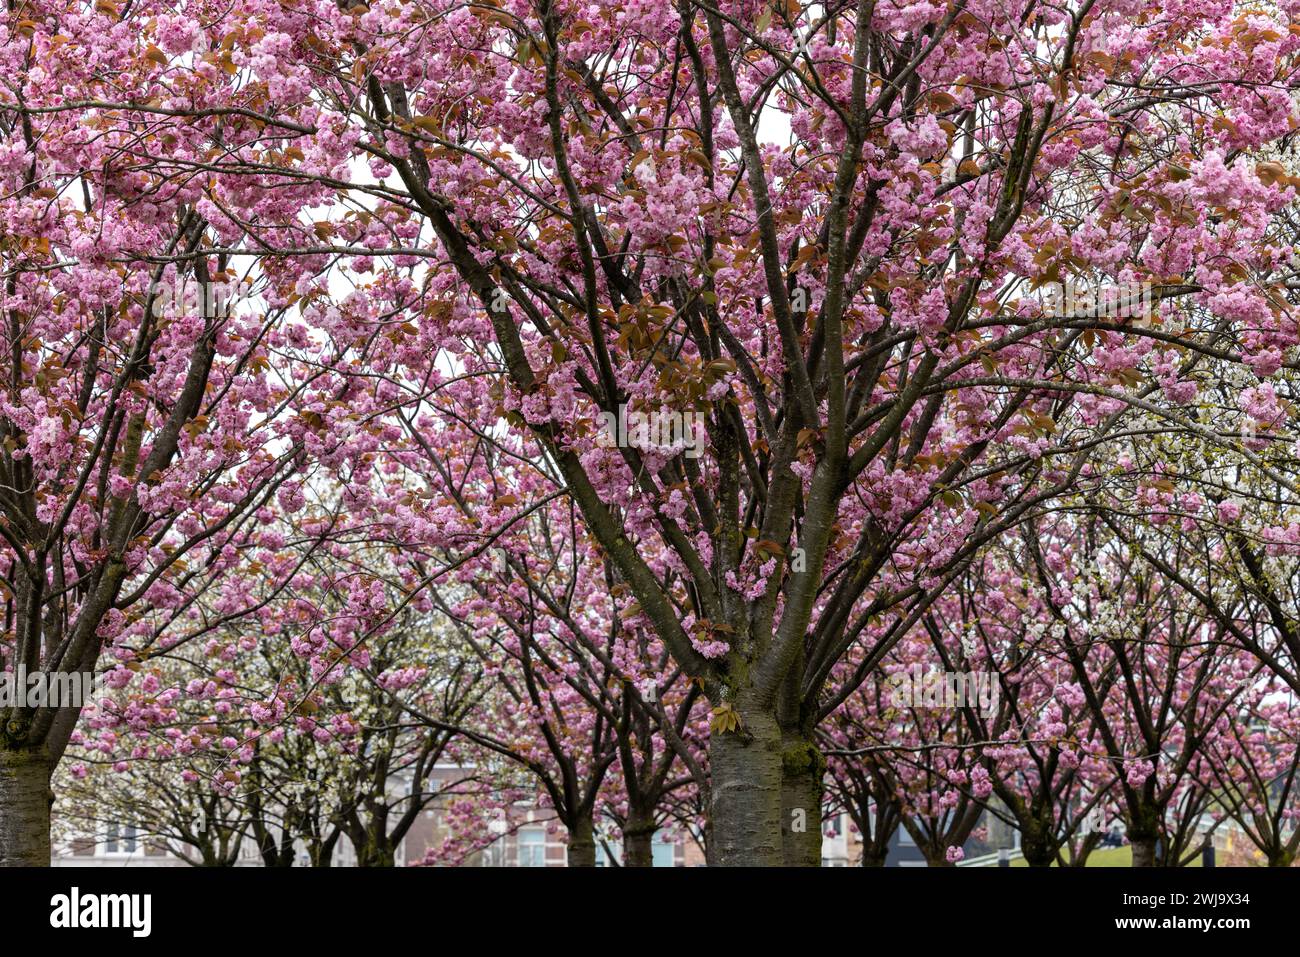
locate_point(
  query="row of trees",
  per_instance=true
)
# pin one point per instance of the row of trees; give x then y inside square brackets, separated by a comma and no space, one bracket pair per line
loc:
[453,240]
[1101,683]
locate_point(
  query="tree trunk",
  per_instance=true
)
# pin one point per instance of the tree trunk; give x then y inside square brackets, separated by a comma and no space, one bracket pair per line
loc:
[638,837]
[1034,845]
[582,842]
[745,766]
[803,770]
[1144,850]
[24,808]
[376,854]
[321,852]
[273,854]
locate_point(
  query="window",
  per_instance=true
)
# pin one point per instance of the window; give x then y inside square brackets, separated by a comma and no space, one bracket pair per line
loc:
[120,840]
[663,852]
[532,847]
[609,854]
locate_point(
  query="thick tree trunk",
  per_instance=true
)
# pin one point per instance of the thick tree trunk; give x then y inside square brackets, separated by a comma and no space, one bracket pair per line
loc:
[24,808]
[376,855]
[1144,850]
[215,857]
[582,842]
[1144,833]
[872,858]
[371,842]
[638,838]
[275,854]
[803,770]
[321,852]
[745,765]
[1037,850]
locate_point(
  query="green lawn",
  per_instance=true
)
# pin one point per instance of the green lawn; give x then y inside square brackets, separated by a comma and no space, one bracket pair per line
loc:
[1107,857]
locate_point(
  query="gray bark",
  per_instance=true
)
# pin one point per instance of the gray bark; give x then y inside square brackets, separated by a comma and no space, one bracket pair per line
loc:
[24,808]
[746,813]
[638,835]
[1144,851]
[582,843]
[803,770]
